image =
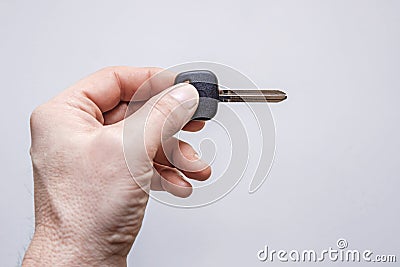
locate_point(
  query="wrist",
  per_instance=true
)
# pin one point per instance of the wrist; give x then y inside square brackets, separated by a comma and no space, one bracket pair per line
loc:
[50,248]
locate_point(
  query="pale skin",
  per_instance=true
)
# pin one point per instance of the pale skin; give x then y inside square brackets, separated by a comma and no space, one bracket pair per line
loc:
[89,205]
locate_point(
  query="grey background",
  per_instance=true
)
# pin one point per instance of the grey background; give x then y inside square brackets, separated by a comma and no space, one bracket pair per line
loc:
[336,168]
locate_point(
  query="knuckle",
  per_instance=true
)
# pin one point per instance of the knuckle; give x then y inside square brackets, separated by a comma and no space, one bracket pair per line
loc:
[167,107]
[108,69]
[38,114]
[165,104]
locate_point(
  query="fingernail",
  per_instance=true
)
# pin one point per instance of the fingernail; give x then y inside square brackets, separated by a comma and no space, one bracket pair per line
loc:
[186,94]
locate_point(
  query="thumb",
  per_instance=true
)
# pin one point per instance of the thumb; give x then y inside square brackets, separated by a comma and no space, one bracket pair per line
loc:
[160,118]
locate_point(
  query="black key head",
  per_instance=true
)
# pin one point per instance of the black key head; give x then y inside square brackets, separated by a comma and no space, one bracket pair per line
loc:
[206,83]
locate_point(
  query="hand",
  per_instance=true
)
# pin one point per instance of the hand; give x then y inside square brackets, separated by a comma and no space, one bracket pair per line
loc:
[89,205]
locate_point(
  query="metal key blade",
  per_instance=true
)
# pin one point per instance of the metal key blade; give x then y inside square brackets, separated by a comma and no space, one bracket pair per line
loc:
[252,95]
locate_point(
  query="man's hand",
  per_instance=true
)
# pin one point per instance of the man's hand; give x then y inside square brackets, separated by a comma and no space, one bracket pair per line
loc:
[89,205]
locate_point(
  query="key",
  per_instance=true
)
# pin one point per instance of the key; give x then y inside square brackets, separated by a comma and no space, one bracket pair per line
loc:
[206,83]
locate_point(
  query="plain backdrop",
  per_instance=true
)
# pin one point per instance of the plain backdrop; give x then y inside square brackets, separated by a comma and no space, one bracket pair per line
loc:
[336,169]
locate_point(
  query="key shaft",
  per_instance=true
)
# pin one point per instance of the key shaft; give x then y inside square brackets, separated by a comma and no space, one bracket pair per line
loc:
[252,95]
